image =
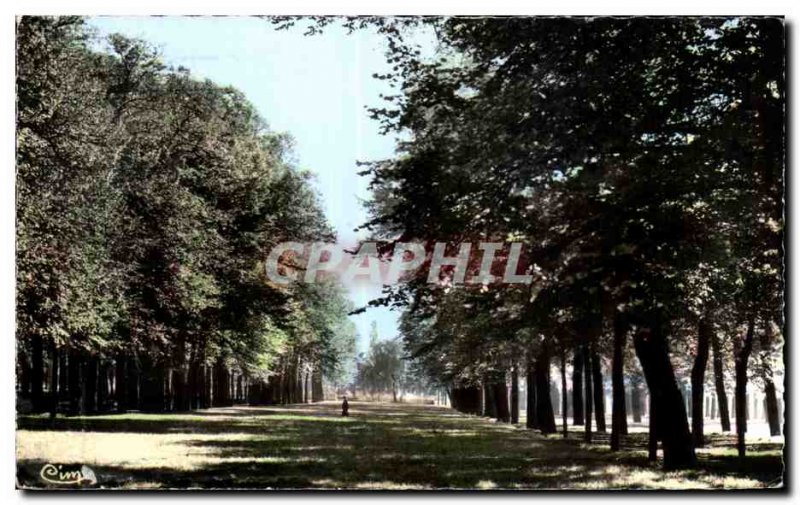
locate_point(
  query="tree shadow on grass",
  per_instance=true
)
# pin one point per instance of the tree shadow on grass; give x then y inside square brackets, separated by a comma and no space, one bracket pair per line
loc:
[389,447]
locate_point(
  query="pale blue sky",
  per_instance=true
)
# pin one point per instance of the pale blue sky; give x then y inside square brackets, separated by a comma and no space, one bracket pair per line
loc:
[315,88]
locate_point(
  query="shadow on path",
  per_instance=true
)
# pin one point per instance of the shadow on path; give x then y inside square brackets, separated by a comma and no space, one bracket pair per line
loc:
[385,446]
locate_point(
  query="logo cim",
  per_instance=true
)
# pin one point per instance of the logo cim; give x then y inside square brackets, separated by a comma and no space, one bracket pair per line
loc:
[68,475]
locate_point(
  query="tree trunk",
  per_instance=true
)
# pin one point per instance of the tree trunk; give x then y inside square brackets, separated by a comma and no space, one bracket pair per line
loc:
[207,384]
[90,383]
[456,400]
[489,406]
[152,385]
[771,410]
[667,402]
[274,385]
[742,357]
[652,431]
[317,394]
[719,385]
[466,399]
[598,390]
[500,393]
[298,383]
[54,380]
[192,382]
[771,401]
[63,375]
[555,397]
[587,364]
[282,388]
[37,374]
[530,390]
[288,381]
[704,331]
[619,416]
[577,387]
[217,395]
[181,385]
[121,382]
[564,392]
[24,372]
[514,395]
[545,418]
[133,394]
[103,386]
[221,384]
[636,402]
[74,378]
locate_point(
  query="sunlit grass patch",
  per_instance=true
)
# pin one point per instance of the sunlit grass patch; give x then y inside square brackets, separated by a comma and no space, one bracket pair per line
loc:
[383,447]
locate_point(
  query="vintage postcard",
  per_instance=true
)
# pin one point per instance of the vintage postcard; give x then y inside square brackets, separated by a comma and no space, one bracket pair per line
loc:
[400,252]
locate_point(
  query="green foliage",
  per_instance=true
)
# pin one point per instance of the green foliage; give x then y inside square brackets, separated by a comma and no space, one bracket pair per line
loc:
[146,202]
[639,160]
[383,369]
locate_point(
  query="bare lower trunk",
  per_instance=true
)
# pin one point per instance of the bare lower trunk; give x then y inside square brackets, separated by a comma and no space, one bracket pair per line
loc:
[489,405]
[74,378]
[90,384]
[317,394]
[771,408]
[466,399]
[619,421]
[206,379]
[719,384]
[742,357]
[103,387]
[500,393]
[132,382]
[121,382]
[545,419]
[771,405]
[577,387]
[23,372]
[652,432]
[564,392]
[514,395]
[530,407]
[598,390]
[587,363]
[636,402]
[54,380]
[180,385]
[37,374]
[222,384]
[665,397]
[704,331]
[152,385]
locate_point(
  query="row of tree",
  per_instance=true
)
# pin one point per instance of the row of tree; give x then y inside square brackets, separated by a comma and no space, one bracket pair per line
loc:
[639,161]
[146,203]
[382,368]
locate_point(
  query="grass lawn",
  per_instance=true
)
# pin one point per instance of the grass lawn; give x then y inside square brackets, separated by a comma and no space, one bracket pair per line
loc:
[380,446]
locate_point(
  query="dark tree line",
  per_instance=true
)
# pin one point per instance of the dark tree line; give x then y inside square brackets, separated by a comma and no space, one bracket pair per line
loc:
[147,201]
[639,161]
